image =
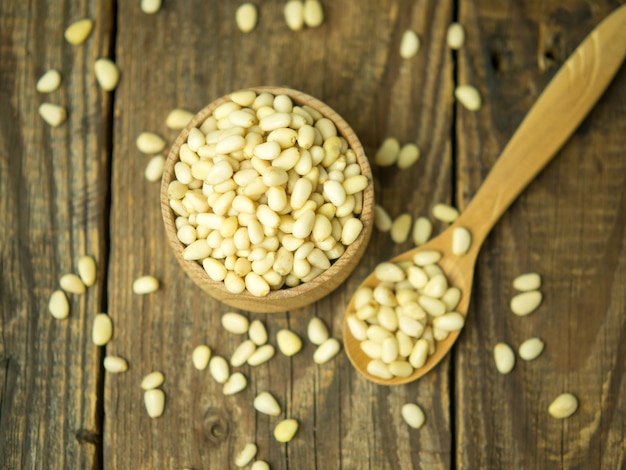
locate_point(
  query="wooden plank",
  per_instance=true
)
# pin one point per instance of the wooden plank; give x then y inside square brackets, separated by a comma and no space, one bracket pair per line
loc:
[187,55]
[54,184]
[568,226]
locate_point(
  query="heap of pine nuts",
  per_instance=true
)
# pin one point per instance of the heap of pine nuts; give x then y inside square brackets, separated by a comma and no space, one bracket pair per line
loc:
[266,193]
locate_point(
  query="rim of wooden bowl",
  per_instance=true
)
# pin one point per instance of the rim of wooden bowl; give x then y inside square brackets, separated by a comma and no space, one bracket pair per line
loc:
[286,298]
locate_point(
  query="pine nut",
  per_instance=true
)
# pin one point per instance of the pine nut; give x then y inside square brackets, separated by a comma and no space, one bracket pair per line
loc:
[235,323]
[265,403]
[426,257]
[408,155]
[455,36]
[178,118]
[72,283]
[468,96]
[243,97]
[200,357]
[452,321]
[357,327]
[389,272]
[107,74]
[372,349]
[155,402]
[313,14]
[246,455]
[563,406]
[400,228]
[78,32]
[242,353]
[262,354]
[527,282]
[102,329]
[379,369]
[53,114]
[389,350]
[388,152]
[218,368]
[195,139]
[49,81]
[530,349]
[235,384]
[419,354]
[451,298]
[152,380]
[382,220]
[351,230]
[422,229]
[286,429]
[461,241]
[504,358]
[326,351]
[58,305]
[145,285]
[150,7]
[246,17]
[433,307]
[294,14]
[413,415]
[260,465]
[409,45]
[154,168]
[526,303]
[288,342]
[257,332]
[150,143]
[115,364]
[445,213]
[317,331]
[400,368]
[436,286]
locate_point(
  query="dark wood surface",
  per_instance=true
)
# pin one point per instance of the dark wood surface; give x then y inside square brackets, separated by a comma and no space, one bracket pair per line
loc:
[79,189]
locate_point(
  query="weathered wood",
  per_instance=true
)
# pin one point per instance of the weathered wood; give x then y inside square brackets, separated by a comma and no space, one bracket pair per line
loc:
[568,226]
[54,186]
[354,66]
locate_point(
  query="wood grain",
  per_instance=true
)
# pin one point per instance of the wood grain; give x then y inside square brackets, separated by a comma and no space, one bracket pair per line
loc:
[568,226]
[54,184]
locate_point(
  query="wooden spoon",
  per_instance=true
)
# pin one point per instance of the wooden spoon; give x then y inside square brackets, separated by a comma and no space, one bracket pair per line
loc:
[557,113]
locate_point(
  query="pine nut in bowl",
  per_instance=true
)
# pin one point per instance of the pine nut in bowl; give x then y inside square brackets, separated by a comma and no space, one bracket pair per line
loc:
[267,199]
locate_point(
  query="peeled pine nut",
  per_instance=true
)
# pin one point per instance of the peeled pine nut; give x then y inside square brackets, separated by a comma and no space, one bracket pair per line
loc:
[260,465]
[426,257]
[152,380]
[53,114]
[400,368]
[262,354]
[58,305]
[378,368]
[468,96]
[246,17]
[317,331]
[530,349]
[155,402]
[563,406]
[235,384]
[265,403]
[218,368]
[445,213]
[409,45]
[400,228]
[504,358]
[313,14]
[72,283]
[246,455]
[49,81]
[527,282]
[150,143]
[154,168]
[357,327]
[107,74]
[87,270]
[235,323]
[387,153]
[145,285]
[294,14]
[455,36]
[102,329]
[326,351]
[382,221]
[526,302]
[115,364]
[178,119]
[389,272]
[285,430]
[409,154]
[257,332]
[422,229]
[288,342]
[242,353]
[461,241]
[200,357]
[413,415]
[419,354]
[77,32]
[150,7]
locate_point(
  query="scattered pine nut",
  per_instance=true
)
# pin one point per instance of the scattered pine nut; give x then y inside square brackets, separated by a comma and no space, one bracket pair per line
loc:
[526,303]
[326,351]
[178,118]
[150,143]
[400,228]
[288,342]
[58,305]
[413,415]
[87,270]
[294,14]
[49,81]
[257,332]
[387,153]
[145,285]
[72,283]
[235,323]
[102,330]
[527,282]
[461,240]
[150,7]
[235,384]
[260,465]
[154,168]
[78,32]
[317,331]
[382,220]
[455,36]
[115,364]
[313,13]
[246,17]
[445,213]
[468,96]
[200,356]
[563,406]
[285,430]
[530,349]
[408,155]
[218,367]
[422,230]
[246,455]
[409,45]
[107,73]
[262,354]
[266,403]
[53,114]
[242,353]
[155,402]
[152,380]
[504,358]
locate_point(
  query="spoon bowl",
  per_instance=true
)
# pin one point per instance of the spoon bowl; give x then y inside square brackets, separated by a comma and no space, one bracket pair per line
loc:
[557,113]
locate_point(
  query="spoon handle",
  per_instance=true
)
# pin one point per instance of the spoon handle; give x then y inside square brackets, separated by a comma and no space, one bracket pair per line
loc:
[561,107]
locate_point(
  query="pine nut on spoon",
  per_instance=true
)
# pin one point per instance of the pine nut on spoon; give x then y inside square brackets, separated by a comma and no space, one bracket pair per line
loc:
[550,122]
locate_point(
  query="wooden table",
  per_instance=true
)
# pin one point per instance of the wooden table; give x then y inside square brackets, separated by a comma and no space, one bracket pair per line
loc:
[79,189]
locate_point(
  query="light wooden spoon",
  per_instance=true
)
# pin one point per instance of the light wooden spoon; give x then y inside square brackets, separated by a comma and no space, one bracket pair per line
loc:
[557,113]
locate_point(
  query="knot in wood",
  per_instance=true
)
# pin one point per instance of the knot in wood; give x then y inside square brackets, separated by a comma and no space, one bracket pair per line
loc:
[216,426]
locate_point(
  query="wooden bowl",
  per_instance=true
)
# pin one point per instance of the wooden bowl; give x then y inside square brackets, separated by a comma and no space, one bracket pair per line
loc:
[286,298]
